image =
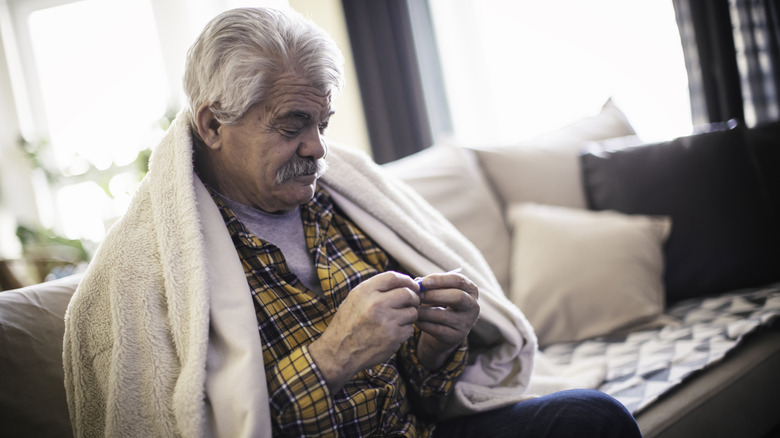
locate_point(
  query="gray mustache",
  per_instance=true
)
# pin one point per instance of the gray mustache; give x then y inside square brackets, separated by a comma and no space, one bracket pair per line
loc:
[300,166]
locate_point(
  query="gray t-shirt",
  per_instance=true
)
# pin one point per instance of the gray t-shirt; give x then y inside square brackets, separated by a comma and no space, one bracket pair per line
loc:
[285,231]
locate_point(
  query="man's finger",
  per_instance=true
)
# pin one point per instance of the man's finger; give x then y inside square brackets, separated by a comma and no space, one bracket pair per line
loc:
[401,297]
[451,281]
[455,299]
[390,280]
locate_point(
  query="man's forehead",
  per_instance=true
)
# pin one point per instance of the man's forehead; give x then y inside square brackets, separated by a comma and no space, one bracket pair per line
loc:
[289,110]
[302,114]
[300,102]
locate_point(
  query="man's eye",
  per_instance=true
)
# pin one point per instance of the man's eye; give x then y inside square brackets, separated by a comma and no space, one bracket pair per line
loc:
[290,132]
[322,127]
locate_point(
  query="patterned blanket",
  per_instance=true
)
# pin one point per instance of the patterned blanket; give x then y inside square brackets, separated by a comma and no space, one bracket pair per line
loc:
[642,365]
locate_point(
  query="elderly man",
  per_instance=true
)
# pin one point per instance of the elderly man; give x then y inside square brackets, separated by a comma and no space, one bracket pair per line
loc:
[242,296]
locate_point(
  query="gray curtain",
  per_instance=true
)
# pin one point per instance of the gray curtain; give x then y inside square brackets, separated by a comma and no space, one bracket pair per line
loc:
[386,63]
[708,48]
[757,40]
[404,108]
[731,54]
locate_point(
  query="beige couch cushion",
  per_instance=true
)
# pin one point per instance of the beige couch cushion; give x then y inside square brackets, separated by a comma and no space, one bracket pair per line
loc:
[578,273]
[546,170]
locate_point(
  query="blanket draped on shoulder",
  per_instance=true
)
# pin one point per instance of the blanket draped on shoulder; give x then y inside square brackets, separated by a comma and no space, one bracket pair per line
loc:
[161,337]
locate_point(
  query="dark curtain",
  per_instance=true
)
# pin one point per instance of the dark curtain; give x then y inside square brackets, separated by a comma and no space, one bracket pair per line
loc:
[757,41]
[380,32]
[731,54]
[710,58]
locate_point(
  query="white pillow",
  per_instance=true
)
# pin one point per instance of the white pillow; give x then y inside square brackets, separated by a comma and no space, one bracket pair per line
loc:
[450,179]
[577,274]
[546,170]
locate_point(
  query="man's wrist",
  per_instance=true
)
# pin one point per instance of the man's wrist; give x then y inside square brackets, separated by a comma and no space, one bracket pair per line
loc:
[335,373]
[431,383]
[432,354]
[297,385]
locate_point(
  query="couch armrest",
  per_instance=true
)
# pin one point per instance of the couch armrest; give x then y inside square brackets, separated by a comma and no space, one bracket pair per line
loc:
[32,396]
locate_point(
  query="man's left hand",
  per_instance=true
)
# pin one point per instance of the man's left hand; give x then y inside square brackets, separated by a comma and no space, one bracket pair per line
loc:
[449,309]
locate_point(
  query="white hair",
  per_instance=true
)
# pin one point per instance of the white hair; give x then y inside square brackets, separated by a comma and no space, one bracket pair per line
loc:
[242,52]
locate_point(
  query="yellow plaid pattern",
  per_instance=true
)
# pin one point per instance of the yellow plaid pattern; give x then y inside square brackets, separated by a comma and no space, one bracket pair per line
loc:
[387,399]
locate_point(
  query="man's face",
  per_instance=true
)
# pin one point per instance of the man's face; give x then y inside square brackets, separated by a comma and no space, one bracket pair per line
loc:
[269,159]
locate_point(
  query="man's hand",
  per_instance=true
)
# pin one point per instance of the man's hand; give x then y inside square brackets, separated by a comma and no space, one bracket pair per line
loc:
[448,312]
[370,325]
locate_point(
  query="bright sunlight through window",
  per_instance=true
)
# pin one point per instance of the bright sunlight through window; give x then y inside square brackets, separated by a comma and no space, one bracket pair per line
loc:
[515,69]
[103,84]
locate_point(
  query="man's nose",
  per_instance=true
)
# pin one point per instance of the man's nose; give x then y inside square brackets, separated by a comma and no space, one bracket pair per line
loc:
[313,145]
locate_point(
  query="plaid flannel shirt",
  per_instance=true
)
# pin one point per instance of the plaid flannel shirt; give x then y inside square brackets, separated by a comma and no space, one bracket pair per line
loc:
[379,400]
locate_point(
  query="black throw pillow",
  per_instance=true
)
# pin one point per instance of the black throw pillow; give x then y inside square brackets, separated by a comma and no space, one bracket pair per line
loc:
[723,237]
[764,142]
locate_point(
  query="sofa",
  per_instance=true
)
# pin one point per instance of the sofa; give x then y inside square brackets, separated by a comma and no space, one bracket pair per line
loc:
[655,267]
[659,262]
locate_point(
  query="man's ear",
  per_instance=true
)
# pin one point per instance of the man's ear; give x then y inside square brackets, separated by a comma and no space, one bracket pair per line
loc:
[208,126]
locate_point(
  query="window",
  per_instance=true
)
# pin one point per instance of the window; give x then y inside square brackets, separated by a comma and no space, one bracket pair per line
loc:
[102,93]
[90,87]
[94,83]
[100,88]
[514,69]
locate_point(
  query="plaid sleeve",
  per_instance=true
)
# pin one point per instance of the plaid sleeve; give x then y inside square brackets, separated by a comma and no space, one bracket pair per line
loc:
[426,383]
[299,396]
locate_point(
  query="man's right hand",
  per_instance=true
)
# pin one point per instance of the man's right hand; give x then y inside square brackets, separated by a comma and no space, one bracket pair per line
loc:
[370,325]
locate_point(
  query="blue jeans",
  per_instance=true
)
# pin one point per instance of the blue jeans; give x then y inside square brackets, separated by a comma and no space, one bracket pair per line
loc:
[577,413]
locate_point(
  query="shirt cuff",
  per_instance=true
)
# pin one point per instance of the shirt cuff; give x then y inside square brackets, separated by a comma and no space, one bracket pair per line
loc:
[299,394]
[427,383]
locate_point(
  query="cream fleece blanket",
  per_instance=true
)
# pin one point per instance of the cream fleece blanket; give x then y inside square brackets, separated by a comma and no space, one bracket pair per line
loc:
[161,337]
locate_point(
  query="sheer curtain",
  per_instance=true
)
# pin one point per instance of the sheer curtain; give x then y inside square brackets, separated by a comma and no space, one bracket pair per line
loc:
[516,69]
